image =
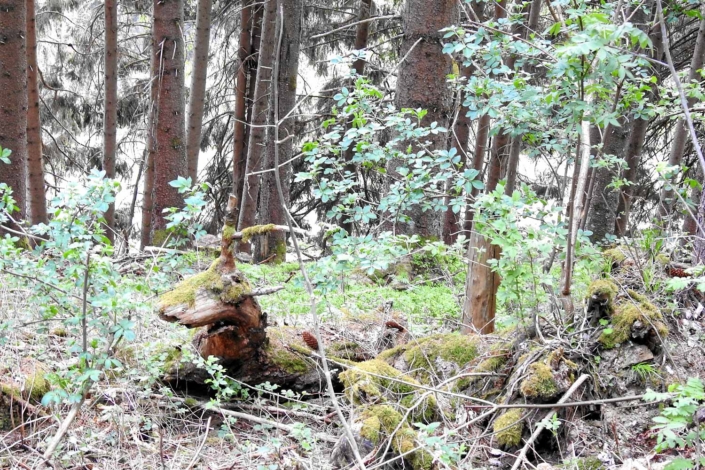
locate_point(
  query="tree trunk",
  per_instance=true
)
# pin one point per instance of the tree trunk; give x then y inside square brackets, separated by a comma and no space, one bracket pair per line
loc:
[637,136]
[260,112]
[148,190]
[482,282]
[690,225]
[680,136]
[422,84]
[699,240]
[583,193]
[361,35]
[602,213]
[197,96]
[239,131]
[110,105]
[35,165]
[273,244]
[461,137]
[168,150]
[13,100]
[478,163]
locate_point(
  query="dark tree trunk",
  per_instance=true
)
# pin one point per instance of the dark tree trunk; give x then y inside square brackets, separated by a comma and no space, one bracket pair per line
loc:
[243,72]
[680,136]
[637,136]
[35,165]
[13,100]
[422,84]
[110,105]
[690,224]
[362,32]
[197,96]
[273,244]
[260,112]
[148,190]
[602,215]
[168,149]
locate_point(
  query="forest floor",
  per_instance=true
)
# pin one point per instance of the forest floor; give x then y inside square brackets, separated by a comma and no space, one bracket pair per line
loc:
[132,420]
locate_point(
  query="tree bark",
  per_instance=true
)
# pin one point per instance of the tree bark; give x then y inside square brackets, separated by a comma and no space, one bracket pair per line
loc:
[197,96]
[260,113]
[13,100]
[422,84]
[243,72]
[110,105]
[602,213]
[637,136]
[478,163]
[273,244]
[680,135]
[35,165]
[362,32]
[168,150]
[461,137]
[148,190]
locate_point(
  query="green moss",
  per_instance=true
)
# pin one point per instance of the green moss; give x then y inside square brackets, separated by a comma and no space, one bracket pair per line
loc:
[159,237]
[250,232]
[380,421]
[60,332]
[228,232]
[539,383]
[616,255]
[190,402]
[185,291]
[603,288]
[508,427]
[289,361]
[626,314]
[375,380]
[453,347]
[9,390]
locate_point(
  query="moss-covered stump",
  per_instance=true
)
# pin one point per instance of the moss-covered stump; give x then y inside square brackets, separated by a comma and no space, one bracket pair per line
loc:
[548,378]
[509,427]
[375,426]
[635,319]
[434,358]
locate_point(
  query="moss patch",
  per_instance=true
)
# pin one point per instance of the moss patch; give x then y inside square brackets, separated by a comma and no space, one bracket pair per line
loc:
[508,427]
[604,289]
[250,232]
[615,255]
[384,421]
[376,381]
[185,291]
[287,350]
[453,347]
[540,383]
[628,313]
[587,463]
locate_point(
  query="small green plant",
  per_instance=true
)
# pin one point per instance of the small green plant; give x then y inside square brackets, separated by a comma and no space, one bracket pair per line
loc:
[645,371]
[675,426]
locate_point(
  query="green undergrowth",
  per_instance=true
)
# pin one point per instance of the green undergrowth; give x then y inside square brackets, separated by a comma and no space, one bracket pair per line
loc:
[423,301]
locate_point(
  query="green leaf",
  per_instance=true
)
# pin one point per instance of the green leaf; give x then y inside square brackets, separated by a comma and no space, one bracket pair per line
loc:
[680,463]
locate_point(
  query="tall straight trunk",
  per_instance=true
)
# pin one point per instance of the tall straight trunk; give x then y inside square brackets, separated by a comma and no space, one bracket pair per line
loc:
[239,130]
[602,215]
[482,282]
[680,135]
[422,84]
[147,192]
[257,144]
[362,32]
[273,245]
[513,164]
[110,106]
[35,165]
[168,150]
[461,136]
[13,100]
[635,145]
[478,163]
[197,96]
